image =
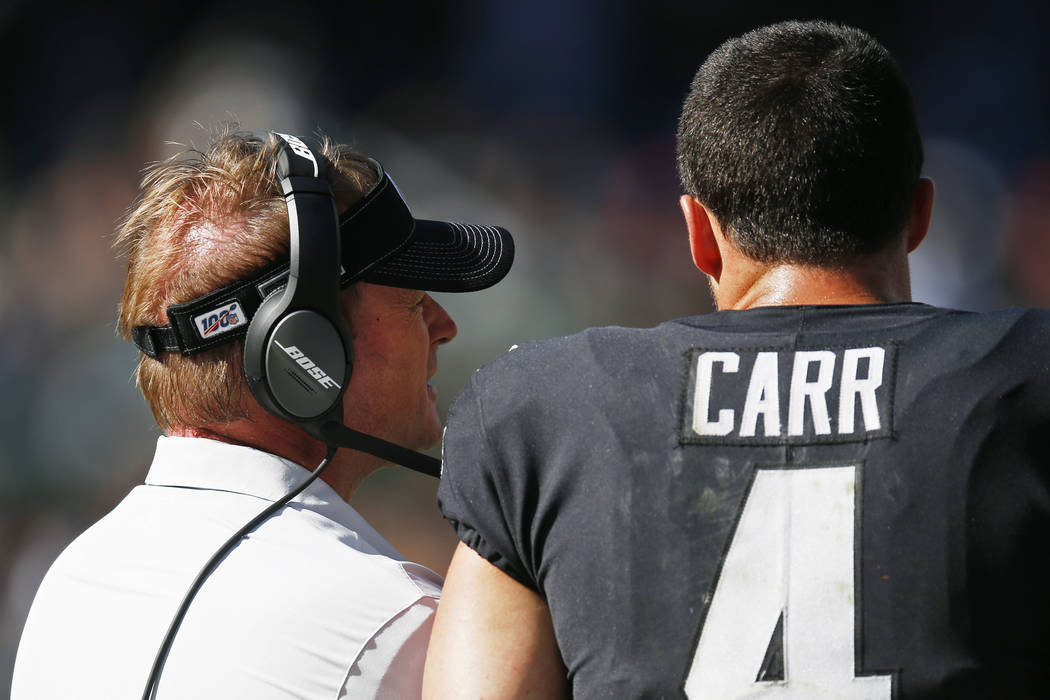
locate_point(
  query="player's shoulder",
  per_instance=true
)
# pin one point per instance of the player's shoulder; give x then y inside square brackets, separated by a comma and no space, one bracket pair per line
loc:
[1030,326]
[569,357]
[1026,320]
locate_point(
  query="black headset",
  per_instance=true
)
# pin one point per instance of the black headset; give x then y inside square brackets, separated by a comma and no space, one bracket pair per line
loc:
[298,353]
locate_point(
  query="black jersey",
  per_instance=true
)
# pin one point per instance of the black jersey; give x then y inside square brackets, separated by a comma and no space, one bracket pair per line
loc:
[796,502]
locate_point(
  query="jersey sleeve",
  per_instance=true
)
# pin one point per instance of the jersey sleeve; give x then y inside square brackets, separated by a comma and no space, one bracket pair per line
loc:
[477,494]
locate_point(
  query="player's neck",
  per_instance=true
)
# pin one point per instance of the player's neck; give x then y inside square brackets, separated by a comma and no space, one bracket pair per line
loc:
[870,282]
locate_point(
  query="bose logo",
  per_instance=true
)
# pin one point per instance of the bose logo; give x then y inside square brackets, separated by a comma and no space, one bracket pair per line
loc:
[219,320]
[300,149]
[309,365]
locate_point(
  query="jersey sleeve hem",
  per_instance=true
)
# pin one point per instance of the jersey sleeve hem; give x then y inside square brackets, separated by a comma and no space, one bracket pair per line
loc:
[473,539]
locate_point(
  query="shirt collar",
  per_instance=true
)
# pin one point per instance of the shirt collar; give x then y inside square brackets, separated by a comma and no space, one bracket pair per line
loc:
[201,463]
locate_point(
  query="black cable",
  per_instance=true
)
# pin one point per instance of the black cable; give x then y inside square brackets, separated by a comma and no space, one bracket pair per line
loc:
[162,653]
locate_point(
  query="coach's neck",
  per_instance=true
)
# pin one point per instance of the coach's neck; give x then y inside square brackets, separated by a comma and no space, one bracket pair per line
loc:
[262,431]
[740,282]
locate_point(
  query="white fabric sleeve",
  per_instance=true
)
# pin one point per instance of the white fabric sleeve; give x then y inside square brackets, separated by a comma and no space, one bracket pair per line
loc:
[390,667]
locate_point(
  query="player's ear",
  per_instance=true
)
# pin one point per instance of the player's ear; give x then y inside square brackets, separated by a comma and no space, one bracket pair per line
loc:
[921,211]
[703,237]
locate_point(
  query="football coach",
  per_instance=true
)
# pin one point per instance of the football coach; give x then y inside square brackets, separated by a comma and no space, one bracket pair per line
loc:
[821,490]
[278,289]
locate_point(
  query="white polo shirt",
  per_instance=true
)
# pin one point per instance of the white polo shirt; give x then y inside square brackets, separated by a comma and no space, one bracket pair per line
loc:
[313,604]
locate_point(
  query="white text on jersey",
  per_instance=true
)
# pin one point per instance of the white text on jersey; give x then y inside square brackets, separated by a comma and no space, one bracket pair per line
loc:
[800,393]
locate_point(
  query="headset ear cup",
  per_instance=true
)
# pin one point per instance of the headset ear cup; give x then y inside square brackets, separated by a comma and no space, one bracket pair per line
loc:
[298,365]
[255,348]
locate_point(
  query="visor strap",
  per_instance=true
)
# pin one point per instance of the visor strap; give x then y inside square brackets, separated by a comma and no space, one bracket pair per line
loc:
[213,319]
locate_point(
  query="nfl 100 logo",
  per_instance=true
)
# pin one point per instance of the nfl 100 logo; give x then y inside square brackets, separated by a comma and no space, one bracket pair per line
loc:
[219,320]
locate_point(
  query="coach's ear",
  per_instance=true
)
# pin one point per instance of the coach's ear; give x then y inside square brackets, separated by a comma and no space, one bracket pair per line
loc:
[704,231]
[921,211]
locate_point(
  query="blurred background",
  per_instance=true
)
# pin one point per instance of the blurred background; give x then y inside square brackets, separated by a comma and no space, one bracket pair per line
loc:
[554,118]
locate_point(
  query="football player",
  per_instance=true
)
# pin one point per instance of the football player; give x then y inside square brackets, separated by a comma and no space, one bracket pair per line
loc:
[821,490]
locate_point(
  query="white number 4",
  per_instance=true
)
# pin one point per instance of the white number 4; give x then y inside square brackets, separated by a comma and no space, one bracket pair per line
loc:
[791,561]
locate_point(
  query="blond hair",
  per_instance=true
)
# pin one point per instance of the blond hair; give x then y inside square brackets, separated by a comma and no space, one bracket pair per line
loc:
[205,219]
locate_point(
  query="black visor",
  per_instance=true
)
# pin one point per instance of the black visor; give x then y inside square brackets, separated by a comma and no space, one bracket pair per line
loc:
[447,257]
[383,244]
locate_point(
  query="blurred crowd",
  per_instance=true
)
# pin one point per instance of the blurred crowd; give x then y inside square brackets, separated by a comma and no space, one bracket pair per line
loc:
[554,119]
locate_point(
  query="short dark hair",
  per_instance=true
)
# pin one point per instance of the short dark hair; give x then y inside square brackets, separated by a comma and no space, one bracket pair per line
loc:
[802,139]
